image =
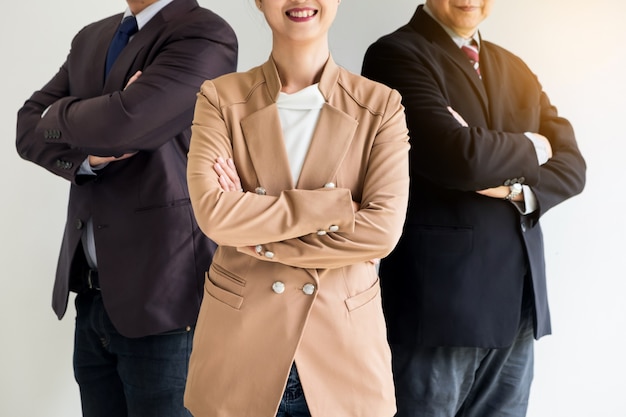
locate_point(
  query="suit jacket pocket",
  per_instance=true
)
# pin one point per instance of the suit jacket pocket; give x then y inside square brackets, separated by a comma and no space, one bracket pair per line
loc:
[224,286]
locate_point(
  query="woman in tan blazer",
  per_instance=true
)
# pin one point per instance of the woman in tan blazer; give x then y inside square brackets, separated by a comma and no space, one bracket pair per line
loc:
[298,169]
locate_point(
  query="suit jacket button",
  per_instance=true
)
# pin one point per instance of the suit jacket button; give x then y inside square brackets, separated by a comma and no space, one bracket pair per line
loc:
[334,228]
[308,289]
[321,232]
[278,287]
[260,190]
[269,255]
[329,185]
[523,227]
[79,224]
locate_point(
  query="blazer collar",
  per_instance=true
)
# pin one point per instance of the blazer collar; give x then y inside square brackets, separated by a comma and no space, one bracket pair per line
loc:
[328,81]
[330,142]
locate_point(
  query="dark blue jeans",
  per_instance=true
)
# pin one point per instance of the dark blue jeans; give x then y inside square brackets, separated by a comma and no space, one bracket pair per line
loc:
[465,381]
[293,403]
[124,377]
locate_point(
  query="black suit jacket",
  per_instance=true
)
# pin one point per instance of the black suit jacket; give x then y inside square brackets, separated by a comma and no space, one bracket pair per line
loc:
[457,276]
[151,254]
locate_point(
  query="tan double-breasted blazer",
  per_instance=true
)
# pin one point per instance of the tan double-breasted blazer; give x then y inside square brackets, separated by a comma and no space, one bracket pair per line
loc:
[292,278]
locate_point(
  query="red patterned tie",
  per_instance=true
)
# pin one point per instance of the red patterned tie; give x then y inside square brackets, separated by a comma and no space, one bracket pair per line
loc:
[471,51]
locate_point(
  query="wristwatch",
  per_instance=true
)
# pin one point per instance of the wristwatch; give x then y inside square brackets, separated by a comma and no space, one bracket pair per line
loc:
[514,190]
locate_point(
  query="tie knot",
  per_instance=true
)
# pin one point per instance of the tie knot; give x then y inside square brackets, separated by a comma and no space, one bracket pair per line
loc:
[129,26]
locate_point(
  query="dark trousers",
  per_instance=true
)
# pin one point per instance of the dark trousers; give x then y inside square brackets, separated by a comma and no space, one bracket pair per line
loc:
[465,382]
[124,377]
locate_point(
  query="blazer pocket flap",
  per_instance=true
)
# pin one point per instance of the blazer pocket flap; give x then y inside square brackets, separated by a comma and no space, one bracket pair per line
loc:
[225,296]
[364,297]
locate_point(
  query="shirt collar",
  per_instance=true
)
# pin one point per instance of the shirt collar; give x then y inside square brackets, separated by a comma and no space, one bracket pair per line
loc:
[148,13]
[457,39]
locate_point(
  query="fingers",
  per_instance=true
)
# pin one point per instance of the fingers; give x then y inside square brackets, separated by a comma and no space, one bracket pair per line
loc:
[133,79]
[228,178]
[457,116]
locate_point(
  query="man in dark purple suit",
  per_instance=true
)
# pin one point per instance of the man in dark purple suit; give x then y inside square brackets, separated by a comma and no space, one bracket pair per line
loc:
[131,250]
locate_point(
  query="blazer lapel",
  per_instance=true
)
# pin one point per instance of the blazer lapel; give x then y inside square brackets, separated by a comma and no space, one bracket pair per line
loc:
[324,156]
[102,47]
[264,139]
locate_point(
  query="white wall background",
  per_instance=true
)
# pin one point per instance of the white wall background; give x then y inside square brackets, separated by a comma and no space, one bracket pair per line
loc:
[579,369]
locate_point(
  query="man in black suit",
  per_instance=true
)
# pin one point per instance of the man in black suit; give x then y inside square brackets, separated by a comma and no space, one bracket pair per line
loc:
[464,292]
[131,250]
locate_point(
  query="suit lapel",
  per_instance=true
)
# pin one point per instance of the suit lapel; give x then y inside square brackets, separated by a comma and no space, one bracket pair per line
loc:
[431,30]
[119,74]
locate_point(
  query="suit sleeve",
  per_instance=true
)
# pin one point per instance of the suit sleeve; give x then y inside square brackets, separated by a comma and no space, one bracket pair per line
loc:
[141,117]
[476,157]
[59,158]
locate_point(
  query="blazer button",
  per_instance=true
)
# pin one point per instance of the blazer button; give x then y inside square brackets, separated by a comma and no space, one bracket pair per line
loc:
[321,232]
[329,185]
[334,228]
[278,287]
[260,190]
[79,224]
[269,255]
[308,289]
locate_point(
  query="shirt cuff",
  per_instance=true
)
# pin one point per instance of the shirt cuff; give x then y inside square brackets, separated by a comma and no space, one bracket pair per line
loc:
[540,148]
[529,204]
[87,169]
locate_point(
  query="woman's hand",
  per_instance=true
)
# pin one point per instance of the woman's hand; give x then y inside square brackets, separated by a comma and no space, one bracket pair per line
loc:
[228,178]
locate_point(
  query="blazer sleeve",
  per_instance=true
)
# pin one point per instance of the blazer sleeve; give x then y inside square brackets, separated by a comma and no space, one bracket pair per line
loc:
[287,224]
[380,219]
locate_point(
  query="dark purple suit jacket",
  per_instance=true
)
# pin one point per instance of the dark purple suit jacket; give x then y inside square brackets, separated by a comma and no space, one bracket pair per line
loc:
[151,254]
[456,277]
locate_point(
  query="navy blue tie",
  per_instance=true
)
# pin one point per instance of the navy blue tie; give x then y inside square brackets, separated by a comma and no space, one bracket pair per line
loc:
[127,28]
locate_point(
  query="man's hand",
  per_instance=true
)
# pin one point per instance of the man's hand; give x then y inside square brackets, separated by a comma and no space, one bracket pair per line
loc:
[500,193]
[94,161]
[133,79]
[457,116]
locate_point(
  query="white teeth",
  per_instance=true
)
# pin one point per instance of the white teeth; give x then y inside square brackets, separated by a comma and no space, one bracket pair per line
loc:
[302,13]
